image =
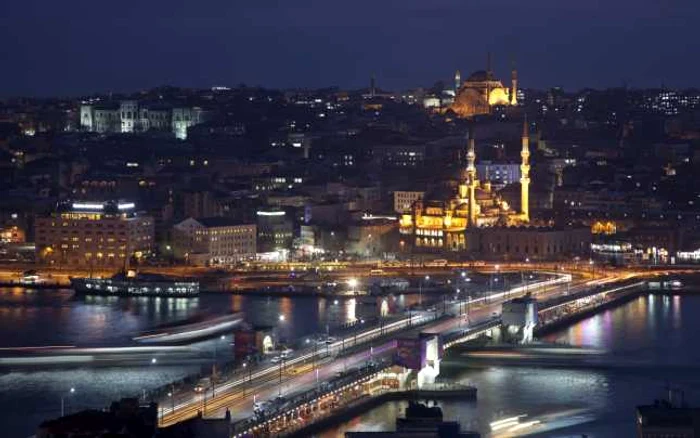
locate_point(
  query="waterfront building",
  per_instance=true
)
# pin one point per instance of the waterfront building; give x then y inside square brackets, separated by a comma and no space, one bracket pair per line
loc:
[370,235]
[275,230]
[214,241]
[442,223]
[523,242]
[94,234]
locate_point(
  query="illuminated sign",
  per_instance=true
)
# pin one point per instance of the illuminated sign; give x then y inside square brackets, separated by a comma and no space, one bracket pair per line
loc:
[371,217]
[87,206]
[127,206]
[270,213]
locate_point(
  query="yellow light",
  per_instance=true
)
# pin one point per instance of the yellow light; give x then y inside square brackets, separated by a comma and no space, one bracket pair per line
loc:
[498,96]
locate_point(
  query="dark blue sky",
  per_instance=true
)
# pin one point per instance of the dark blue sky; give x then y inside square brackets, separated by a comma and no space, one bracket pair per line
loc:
[60,47]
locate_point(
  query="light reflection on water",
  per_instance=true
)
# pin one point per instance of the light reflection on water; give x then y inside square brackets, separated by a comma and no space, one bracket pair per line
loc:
[57,317]
[658,334]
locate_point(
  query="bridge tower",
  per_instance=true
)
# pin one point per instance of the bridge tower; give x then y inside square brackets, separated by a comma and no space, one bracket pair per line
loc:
[430,360]
[519,319]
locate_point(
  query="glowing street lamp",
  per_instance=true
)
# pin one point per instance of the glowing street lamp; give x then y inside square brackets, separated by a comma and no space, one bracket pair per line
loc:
[63,404]
[420,291]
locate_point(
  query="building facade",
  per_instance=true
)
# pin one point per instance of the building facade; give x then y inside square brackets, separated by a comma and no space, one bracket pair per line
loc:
[213,241]
[404,200]
[275,230]
[499,173]
[534,243]
[94,234]
[128,116]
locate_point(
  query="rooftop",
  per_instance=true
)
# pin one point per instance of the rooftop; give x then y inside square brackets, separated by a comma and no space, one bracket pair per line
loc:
[213,222]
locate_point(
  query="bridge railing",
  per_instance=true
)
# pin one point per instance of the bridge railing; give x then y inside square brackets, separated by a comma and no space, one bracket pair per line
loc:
[469,333]
[277,412]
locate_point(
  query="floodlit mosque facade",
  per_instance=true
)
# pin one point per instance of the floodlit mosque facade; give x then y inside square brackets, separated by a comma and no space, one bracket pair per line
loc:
[481,92]
[444,224]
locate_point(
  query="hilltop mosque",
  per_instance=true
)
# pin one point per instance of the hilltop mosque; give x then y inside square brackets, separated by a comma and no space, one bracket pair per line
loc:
[482,91]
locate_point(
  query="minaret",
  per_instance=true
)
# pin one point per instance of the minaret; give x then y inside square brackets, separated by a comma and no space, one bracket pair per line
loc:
[489,74]
[472,178]
[525,173]
[464,174]
[372,86]
[458,81]
[514,86]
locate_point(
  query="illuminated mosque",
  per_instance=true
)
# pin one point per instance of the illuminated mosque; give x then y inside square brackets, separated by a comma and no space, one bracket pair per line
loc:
[442,224]
[482,91]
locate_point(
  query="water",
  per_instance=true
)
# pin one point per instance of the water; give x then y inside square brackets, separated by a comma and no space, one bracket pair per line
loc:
[33,318]
[657,333]
[58,317]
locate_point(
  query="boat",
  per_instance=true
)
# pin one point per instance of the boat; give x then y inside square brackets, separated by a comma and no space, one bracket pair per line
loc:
[31,277]
[131,283]
[191,329]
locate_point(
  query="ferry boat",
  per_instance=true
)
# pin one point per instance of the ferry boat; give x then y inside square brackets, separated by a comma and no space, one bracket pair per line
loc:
[200,326]
[131,283]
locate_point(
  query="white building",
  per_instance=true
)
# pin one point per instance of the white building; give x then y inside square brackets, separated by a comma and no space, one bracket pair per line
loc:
[183,118]
[93,234]
[133,116]
[214,241]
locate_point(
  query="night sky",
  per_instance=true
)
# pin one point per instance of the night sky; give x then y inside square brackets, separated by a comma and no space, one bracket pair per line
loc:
[69,47]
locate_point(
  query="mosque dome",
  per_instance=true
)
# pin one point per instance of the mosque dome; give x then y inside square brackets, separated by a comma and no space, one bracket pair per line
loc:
[481,76]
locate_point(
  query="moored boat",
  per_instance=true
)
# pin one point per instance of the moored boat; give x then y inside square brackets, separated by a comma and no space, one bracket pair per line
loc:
[136,284]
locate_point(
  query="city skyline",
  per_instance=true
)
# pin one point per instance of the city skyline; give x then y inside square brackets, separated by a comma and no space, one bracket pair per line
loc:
[255,219]
[314,45]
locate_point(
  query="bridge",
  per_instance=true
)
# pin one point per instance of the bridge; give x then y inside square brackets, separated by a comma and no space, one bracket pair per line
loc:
[311,410]
[311,371]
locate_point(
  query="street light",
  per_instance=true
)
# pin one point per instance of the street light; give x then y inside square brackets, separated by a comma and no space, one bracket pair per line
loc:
[250,375]
[172,400]
[63,404]
[213,365]
[281,317]
[280,385]
[154,360]
[420,290]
